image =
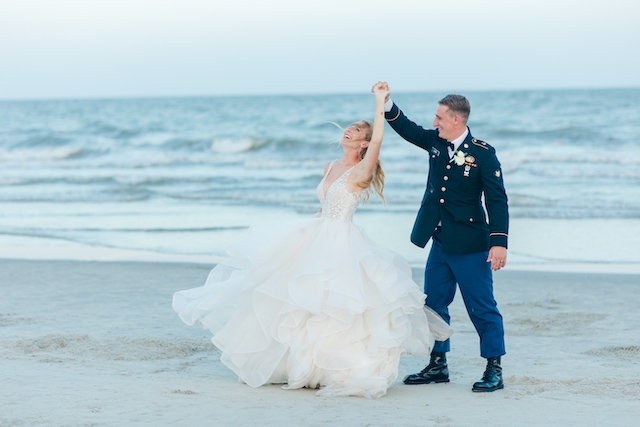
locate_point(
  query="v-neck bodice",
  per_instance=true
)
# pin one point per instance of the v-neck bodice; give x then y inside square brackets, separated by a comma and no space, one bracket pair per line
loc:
[338,202]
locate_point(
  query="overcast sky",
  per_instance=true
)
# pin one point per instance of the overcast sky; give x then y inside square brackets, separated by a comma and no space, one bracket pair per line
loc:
[131,48]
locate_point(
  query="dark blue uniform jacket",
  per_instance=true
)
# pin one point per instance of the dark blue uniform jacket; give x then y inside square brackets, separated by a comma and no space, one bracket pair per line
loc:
[453,196]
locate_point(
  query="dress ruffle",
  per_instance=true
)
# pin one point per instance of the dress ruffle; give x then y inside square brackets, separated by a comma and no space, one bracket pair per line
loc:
[313,303]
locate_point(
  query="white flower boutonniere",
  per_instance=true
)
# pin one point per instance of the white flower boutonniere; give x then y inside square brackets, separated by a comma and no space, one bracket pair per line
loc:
[459,157]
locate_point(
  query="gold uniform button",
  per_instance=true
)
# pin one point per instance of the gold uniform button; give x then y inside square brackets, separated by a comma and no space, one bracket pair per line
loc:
[466,145]
[448,166]
[441,200]
[470,219]
[444,189]
[446,178]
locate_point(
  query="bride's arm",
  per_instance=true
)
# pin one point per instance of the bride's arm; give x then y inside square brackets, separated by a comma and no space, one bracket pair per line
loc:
[365,169]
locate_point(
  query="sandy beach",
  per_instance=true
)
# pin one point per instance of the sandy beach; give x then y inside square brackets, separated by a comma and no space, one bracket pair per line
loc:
[97,344]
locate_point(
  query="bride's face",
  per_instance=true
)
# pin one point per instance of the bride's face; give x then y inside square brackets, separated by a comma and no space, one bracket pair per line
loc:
[355,135]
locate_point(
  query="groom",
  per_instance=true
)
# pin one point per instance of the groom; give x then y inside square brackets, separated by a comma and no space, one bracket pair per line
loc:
[466,247]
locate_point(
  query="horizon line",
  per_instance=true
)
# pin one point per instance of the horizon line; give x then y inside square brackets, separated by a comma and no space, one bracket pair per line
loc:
[294,94]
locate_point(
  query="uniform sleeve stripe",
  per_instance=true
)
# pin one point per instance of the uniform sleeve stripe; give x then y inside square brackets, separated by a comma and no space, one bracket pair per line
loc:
[395,118]
[498,234]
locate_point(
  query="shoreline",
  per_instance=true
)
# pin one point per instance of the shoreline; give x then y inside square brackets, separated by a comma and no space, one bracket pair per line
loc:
[102,256]
[111,255]
[535,244]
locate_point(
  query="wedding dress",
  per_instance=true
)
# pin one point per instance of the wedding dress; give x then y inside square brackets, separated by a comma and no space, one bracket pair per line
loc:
[314,303]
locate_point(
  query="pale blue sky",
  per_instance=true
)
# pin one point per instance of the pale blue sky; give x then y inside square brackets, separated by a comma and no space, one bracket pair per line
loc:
[131,48]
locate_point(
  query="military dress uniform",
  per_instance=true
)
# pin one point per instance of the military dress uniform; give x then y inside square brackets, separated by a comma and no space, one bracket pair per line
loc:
[452,215]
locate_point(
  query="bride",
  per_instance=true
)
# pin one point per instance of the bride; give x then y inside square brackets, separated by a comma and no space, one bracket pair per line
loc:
[314,302]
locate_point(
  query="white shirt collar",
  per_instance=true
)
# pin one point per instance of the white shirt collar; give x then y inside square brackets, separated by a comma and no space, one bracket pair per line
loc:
[456,142]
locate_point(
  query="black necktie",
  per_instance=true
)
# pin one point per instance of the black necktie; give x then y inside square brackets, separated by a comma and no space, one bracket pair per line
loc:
[452,146]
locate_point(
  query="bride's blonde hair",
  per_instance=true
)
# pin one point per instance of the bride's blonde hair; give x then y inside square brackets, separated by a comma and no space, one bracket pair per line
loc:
[377,180]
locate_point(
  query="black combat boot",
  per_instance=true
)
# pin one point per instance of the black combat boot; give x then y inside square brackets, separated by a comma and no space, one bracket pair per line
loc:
[435,372]
[492,378]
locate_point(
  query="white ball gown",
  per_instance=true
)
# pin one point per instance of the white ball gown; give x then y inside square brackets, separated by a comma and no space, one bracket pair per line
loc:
[314,303]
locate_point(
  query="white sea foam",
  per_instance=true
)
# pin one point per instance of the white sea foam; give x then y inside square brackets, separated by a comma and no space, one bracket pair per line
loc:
[49,153]
[229,145]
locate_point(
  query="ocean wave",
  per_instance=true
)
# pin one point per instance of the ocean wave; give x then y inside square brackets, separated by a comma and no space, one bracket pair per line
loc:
[512,160]
[526,200]
[287,144]
[295,167]
[126,133]
[575,203]
[572,213]
[619,174]
[558,132]
[9,181]
[102,128]
[55,232]
[44,140]
[143,180]
[22,155]
[141,160]
[241,145]
[73,195]
[175,179]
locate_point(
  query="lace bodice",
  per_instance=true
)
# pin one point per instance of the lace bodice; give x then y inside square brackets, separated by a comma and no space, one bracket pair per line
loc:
[338,203]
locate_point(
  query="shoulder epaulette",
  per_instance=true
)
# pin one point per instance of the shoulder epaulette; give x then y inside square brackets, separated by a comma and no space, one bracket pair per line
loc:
[480,143]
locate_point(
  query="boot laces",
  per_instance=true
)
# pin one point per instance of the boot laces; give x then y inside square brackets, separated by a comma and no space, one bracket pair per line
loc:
[433,363]
[492,365]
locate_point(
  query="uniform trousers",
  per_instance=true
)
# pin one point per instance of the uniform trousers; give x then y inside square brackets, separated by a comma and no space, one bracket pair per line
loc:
[472,273]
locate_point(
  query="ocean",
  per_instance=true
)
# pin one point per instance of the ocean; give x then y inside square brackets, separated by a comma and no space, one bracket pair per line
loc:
[186,176]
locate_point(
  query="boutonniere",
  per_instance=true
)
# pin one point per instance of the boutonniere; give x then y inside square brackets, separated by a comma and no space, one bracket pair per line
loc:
[459,158]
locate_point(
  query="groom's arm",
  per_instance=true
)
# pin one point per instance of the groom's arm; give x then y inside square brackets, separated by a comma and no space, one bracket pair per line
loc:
[415,134]
[495,198]
[496,202]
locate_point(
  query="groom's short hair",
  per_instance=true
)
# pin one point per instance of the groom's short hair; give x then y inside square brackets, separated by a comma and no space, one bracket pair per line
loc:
[458,104]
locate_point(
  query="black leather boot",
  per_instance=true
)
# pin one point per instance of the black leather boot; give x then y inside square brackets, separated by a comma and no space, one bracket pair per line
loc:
[492,378]
[435,372]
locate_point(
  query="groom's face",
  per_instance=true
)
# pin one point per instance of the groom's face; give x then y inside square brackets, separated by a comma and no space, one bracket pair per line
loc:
[445,122]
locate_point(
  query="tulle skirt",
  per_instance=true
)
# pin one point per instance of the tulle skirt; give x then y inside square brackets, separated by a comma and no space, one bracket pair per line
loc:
[313,303]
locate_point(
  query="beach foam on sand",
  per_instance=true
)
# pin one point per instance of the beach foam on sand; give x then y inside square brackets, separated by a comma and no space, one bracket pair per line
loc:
[96,343]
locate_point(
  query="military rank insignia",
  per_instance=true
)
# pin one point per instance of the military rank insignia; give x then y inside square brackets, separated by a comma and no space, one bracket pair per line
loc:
[498,174]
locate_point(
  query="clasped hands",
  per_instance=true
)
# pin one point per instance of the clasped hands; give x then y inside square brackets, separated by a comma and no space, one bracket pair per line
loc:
[381,90]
